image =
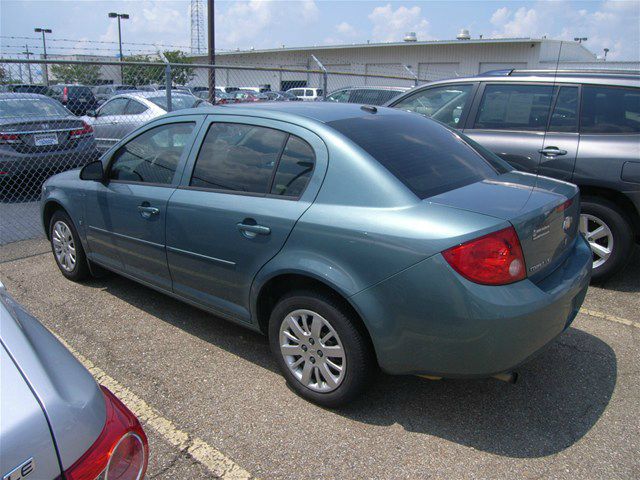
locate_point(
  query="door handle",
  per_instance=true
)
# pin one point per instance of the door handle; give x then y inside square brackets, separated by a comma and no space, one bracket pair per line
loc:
[147,212]
[251,230]
[552,151]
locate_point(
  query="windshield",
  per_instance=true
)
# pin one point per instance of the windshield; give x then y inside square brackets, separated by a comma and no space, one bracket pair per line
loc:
[426,156]
[29,106]
[178,102]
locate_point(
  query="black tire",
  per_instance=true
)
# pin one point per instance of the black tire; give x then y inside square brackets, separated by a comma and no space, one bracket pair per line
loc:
[80,270]
[360,359]
[610,214]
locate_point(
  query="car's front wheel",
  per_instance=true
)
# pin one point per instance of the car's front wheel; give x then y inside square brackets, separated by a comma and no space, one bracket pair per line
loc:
[323,354]
[609,235]
[66,247]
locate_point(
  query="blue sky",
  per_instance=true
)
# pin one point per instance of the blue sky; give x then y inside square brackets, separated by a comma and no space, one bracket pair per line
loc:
[267,24]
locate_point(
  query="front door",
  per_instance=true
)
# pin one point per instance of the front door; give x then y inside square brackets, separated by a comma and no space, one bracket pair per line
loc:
[238,201]
[126,215]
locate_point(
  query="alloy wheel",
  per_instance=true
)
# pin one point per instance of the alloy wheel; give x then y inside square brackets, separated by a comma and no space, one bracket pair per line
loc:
[63,246]
[599,236]
[312,350]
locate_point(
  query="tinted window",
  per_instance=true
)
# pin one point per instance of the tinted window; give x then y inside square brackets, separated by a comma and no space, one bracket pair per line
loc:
[515,107]
[610,110]
[445,103]
[135,108]
[427,157]
[341,96]
[371,96]
[29,107]
[565,112]
[178,101]
[294,169]
[114,107]
[76,91]
[153,156]
[237,157]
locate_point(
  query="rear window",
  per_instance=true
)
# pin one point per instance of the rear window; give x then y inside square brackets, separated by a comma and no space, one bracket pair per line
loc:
[178,102]
[31,107]
[610,110]
[79,91]
[424,155]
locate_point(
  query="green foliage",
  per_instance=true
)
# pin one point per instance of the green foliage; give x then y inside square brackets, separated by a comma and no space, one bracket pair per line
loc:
[146,75]
[74,73]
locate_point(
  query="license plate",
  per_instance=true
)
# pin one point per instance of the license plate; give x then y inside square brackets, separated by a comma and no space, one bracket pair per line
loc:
[83,100]
[45,139]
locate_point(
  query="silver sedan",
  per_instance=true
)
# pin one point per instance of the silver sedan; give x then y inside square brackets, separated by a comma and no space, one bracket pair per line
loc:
[124,113]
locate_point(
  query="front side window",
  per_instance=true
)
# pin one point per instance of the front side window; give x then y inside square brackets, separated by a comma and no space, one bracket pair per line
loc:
[153,156]
[610,110]
[114,107]
[445,103]
[238,158]
[515,107]
[294,168]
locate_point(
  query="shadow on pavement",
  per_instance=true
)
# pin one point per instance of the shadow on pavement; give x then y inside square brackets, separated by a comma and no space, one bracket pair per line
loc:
[560,396]
[627,280]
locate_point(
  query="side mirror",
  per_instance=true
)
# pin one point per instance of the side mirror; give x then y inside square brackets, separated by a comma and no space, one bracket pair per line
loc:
[92,113]
[92,171]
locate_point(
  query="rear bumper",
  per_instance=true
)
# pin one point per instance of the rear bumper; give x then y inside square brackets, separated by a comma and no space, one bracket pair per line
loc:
[18,165]
[429,320]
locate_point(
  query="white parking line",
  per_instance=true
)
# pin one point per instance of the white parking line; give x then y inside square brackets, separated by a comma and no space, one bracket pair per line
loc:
[611,318]
[214,460]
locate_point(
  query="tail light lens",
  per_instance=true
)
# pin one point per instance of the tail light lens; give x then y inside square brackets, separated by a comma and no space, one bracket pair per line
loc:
[9,138]
[121,451]
[65,94]
[85,130]
[495,259]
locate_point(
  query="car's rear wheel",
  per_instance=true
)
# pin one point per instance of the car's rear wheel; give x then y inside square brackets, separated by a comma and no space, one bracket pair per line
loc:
[322,353]
[66,247]
[609,235]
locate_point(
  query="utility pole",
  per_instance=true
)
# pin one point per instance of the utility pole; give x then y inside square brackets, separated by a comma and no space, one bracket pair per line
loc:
[212,49]
[44,49]
[119,16]
[28,54]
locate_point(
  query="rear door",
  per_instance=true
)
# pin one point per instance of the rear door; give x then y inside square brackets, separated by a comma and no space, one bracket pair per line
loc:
[240,196]
[510,119]
[106,124]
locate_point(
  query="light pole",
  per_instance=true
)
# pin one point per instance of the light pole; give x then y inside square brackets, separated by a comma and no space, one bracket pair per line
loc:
[212,49]
[28,53]
[44,49]
[123,16]
[606,50]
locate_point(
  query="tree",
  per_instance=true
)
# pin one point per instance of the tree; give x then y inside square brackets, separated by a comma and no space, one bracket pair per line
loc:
[85,74]
[179,75]
[141,74]
[3,74]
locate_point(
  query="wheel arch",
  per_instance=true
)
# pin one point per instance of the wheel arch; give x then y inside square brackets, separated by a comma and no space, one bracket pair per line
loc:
[620,200]
[277,285]
[49,208]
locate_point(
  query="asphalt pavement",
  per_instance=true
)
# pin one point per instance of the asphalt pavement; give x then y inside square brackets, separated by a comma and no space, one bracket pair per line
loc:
[214,404]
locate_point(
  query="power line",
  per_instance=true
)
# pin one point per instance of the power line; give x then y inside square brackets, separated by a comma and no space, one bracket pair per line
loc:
[84,40]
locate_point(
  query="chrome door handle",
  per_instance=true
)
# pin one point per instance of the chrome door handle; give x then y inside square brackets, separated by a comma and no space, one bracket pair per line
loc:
[250,231]
[552,151]
[147,212]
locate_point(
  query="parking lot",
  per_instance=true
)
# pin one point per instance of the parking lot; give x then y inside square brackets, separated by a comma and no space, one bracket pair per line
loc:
[213,403]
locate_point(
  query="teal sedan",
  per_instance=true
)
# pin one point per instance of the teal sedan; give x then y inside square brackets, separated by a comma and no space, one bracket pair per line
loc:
[355,237]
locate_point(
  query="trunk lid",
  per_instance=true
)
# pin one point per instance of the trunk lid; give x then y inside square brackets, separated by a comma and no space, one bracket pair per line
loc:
[46,135]
[544,212]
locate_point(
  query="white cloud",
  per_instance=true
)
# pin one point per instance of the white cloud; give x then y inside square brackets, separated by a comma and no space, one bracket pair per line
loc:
[391,25]
[613,25]
[345,28]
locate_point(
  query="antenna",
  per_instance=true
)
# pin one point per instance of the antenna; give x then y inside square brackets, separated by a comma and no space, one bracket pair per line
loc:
[198,31]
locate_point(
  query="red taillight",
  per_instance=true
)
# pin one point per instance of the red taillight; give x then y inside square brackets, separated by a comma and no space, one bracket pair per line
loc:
[9,138]
[563,206]
[121,451]
[495,259]
[65,94]
[85,130]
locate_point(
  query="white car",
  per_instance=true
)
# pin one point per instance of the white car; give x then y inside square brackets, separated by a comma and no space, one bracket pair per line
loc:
[306,94]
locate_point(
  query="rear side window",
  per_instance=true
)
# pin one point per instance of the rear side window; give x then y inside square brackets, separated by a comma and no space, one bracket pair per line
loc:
[294,168]
[153,156]
[135,108]
[445,103]
[610,110]
[238,158]
[424,155]
[515,107]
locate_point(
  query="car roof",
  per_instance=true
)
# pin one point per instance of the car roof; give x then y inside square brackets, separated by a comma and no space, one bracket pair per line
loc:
[371,87]
[144,94]
[323,112]
[23,95]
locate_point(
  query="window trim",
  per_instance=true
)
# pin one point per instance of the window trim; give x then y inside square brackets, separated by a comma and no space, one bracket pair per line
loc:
[107,170]
[268,193]
[596,85]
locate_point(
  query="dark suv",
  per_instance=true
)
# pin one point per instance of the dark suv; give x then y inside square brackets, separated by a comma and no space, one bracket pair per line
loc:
[578,126]
[77,98]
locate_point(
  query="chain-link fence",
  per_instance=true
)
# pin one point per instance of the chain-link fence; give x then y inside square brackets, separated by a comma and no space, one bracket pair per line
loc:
[57,115]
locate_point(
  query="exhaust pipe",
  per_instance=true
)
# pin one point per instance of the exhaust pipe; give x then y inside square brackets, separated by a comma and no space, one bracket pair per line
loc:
[509,377]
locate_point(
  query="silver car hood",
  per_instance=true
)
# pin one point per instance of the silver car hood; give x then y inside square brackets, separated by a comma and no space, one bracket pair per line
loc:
[71,399]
